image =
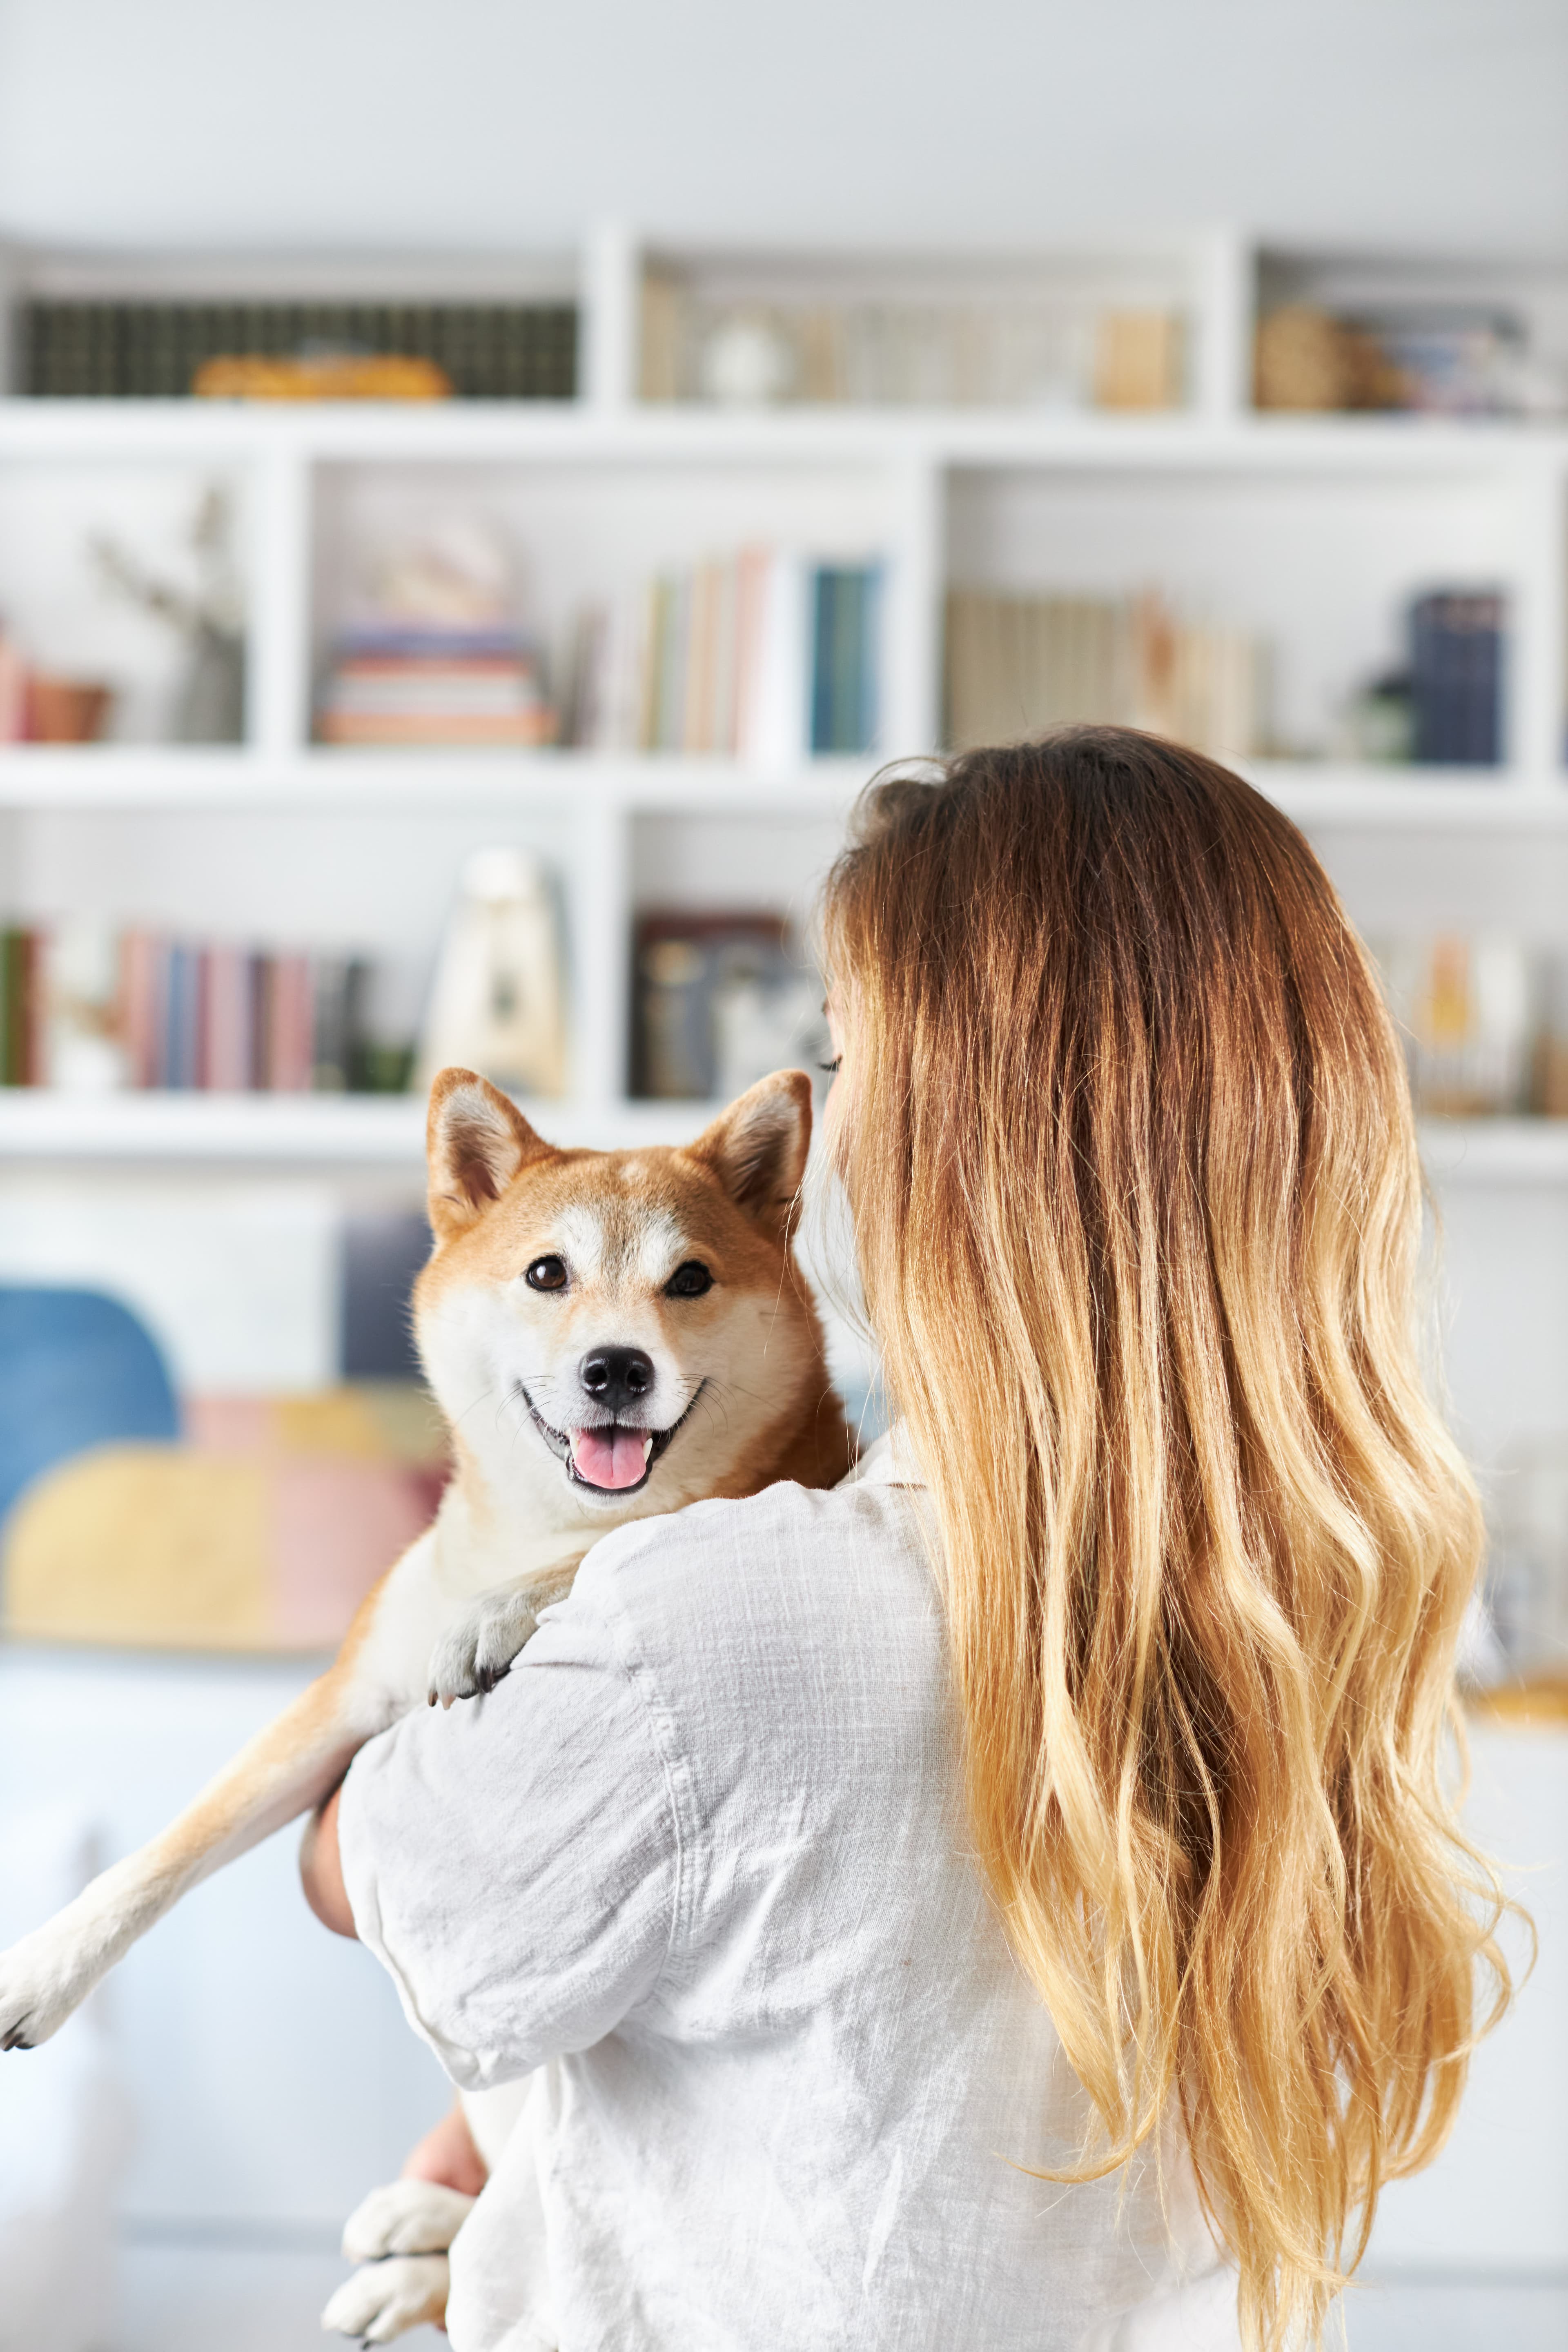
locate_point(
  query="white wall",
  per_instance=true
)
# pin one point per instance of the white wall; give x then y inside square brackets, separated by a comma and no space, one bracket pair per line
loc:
[496,123]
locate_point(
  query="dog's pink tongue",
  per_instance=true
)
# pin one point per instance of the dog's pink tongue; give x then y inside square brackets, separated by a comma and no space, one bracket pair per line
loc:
[609,1457]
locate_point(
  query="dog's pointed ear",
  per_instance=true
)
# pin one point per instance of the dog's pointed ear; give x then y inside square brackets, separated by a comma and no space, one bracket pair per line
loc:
[757,1147]
[474,1142]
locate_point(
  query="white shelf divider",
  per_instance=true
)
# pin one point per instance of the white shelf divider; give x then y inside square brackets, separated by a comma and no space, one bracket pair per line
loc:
[343,1132]
[1537,639]
[1222,362]
[610,319]
[278,684]
[599,958]
[350,1131]
[1506,1152]
[43,777]
[912,697]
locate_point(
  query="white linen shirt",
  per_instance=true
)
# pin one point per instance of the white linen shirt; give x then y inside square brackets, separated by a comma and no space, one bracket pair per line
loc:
[703,1859]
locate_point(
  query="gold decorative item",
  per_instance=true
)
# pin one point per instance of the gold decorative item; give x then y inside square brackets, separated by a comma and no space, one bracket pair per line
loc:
[343,377]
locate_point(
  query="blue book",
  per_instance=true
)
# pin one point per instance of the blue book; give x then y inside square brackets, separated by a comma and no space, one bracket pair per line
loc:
[182,1018]
[844,693]
[1456,679]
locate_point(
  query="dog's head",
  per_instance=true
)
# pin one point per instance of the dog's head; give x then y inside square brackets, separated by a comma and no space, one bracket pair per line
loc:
[615,1333]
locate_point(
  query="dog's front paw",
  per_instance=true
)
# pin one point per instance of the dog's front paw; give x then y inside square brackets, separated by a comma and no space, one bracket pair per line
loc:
[407,2217]
[473,1655]
[383,2298]
[42,1979]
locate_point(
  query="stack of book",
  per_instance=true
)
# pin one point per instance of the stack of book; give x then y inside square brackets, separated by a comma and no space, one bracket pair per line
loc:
[1017,666]
[762,657]
[721,1000]
[158,1012]
[1454,361]
[1456,679]
[436,687]
[155,351]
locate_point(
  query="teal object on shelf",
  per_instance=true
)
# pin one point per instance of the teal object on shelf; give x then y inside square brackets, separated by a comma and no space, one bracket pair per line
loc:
[78,1368]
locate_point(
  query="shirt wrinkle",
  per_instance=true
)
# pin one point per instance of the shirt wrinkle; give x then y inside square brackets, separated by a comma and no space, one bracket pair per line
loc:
[704,1860]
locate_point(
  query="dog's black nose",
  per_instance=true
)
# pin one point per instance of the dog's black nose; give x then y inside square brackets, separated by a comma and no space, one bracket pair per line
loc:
[617,1377]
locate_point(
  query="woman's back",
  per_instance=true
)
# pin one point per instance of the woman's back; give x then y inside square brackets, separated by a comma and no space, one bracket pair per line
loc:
[894,1874]
[817,2091]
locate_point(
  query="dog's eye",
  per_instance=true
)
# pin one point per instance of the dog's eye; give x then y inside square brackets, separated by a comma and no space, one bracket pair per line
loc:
[546,1273]
[688,1281]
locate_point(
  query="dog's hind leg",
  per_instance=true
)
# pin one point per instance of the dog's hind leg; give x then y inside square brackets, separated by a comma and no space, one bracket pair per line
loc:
[284,1771]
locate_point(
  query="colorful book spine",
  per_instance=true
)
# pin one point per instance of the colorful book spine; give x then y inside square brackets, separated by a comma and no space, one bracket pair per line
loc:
[844,658]
[181,1015]
[227,1056]
[758,656]
[289,1045]
[1018,666]
[21,1005]
[142,963]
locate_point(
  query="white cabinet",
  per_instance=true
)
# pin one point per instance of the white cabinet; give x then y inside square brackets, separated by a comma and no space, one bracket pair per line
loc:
[272,2077]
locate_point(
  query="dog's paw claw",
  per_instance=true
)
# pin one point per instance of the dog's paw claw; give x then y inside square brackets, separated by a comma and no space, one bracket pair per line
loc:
[477,1652]
[44,1978]
[383,2298]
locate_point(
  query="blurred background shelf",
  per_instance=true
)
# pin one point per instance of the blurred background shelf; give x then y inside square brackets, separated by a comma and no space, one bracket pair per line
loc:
[1495,1151]
[41,777]
[320,1131]
[350,1131]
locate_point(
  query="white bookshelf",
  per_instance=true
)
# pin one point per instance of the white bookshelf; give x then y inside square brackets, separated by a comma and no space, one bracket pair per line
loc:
[1313,530]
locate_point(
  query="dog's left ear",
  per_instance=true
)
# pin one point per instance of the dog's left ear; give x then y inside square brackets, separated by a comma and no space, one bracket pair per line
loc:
[475,1140]
[757,1147]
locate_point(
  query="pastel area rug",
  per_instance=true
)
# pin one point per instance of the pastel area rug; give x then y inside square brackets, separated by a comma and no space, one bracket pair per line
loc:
[262,1529]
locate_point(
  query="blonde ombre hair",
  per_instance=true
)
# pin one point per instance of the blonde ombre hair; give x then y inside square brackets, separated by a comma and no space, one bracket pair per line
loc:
[1129,1149]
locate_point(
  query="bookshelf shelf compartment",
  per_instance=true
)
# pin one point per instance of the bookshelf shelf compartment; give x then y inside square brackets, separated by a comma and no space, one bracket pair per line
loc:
[1320,572]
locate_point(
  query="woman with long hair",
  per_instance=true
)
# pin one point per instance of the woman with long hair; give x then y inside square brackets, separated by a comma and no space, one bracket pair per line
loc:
[1018,1900]
[1134,1180]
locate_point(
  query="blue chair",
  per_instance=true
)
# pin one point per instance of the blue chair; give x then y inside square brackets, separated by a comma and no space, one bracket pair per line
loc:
[77,1368]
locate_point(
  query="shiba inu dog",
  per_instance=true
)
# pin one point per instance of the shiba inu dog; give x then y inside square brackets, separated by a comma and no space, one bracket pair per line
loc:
[610,1334]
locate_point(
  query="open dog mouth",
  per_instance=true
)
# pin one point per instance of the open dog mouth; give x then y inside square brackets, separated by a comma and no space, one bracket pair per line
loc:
[613,1457]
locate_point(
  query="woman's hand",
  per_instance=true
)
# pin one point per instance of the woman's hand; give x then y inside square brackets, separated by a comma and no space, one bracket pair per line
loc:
[448,2155]
[321,1875]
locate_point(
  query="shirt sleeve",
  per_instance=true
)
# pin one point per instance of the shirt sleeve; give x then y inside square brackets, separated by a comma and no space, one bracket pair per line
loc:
[513,1862]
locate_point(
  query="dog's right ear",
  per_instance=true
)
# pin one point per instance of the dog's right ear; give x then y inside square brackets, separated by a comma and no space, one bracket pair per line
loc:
[757,1147]
[474,1142]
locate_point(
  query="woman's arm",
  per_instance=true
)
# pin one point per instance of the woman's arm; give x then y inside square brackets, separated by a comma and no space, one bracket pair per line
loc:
[447,2153]
[321,1870]
[513,1864]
